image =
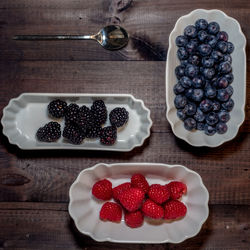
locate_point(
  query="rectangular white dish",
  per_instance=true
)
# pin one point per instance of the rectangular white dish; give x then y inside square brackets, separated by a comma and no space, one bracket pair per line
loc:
[25,114]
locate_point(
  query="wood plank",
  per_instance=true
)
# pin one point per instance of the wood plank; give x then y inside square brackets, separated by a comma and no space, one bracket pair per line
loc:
[228,227]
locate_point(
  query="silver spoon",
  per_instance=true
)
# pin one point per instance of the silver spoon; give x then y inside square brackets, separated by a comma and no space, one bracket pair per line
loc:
[112,37]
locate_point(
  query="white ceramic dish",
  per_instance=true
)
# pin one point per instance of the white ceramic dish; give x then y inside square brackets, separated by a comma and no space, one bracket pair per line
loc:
[84,209]
[26,113]
[232,27]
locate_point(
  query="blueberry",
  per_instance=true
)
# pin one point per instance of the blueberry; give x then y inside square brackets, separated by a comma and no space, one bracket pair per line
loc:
[191,46]
[207,62]
[201,24]
[182,53]
[213,28]
[180,101]
[190,109]
[179,71]
[222,95]
[184,62]
[189,93]
[230,90]
[216,106]
[230,77]
[222,82]
[185,82]
[191,71]
[212,118]
[222,46]
[190,31]
[221,128]
[224,116]
[199,115]
[209,130]
[225,67]
[227,58]
[206,105]
[197,95]
[214,80]
[210,92]
[181,41]
[200,125]
[208,73]
[194,59]
[181,114]
[198,82]
[230,48]
[228,106]
[205,49]
[222,35]
[216,55]
[212,41]
[202,35]
[178,89]
[189,124]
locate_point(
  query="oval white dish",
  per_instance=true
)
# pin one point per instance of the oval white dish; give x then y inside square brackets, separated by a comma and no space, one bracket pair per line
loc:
[84,209]
[25,114]
[232,27]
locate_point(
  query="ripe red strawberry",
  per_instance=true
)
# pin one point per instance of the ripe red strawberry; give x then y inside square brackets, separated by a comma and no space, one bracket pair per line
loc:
[139,181]
[102,190]
[134,219]
[111,211]
[174,209]
[131,199]
[176,189]
[152,210]
[158,193]
[119,189]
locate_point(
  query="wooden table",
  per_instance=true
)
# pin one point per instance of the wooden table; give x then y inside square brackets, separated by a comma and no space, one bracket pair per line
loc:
[34,185]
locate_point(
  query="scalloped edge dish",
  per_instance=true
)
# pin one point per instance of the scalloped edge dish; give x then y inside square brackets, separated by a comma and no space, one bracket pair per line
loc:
[25,114]
[84,208]
[232,27]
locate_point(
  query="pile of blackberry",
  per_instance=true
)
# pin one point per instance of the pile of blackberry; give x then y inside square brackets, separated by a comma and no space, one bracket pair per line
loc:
[82,122]
[203,91]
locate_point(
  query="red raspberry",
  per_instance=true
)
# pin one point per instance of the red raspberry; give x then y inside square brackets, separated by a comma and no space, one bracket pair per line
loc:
[174,209]
[139,181]
[176,189]
[119,189]
[131,199]
[152,210]
[111,211]
[102,190]
[158,193]
[134,219]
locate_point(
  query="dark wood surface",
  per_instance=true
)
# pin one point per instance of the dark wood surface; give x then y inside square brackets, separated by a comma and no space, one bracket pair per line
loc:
[34,185]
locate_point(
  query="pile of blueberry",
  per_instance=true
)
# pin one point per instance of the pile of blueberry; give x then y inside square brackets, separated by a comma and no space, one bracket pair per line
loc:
[203,92]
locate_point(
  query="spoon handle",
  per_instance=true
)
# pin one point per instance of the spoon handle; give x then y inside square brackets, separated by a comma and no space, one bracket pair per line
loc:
[52,37]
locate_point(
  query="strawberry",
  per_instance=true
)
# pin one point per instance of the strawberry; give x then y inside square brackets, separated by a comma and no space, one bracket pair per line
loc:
[139,181]
[134,219]
[131,199]
[152,210]
[102,190]
[176,189]
[119,189]
[158,193]
[111,211]
[174,209]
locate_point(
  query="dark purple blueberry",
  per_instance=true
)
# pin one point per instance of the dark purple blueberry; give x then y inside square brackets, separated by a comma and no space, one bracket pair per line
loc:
[178,89]
[221,128]
[214,81]
[225,67]
[228,106]
[185,82]
[213,28]
[189,93]
[212,41]
[200,126]
[190,31]
[222,46]
[222,35]
[198,82]
[191,46]
[230,77]
[230,90]
[222,82]
[180,101]
[189,124]
[207,62]
[209,130]
[197,95]
[212,118]
[210,92]
[199,115]
[194,59]
[181,41]
[216,106]
[206,105]
[224,116]
[190,109]
[182,53]
[179,71]
[202,35]
[191,70]
[230,48]
[184,62]
[222,95]
[216,55]
[205,49]
[208,73]
[201,24]
[181,114]
[227,58]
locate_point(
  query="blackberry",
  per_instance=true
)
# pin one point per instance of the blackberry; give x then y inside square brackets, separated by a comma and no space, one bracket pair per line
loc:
[99,112]
[108,135]
[57,108]
[118,117]
[93,132]
[74,134]
[50,132]
[85,117]
[72,112]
